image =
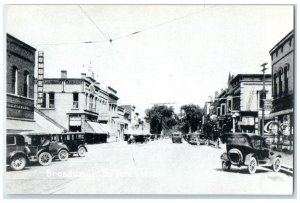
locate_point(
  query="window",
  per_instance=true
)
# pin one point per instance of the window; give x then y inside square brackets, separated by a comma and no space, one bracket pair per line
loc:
[75,100]
[44,101]
[223,109]
[280,83]
[218,111]
[91,102]
[26,84]
[10,140]
[275,85]
[229,105]
[51,100]
[286,80]
[15,80]
[262,97]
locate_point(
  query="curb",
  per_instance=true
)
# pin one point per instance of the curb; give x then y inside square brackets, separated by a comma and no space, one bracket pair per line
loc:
[286,169]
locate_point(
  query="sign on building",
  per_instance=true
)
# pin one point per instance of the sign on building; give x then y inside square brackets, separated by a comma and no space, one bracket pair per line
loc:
[40,79]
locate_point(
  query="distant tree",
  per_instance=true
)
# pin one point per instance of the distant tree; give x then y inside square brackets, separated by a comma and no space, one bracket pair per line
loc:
[160,117]
[209,126]
[191,117]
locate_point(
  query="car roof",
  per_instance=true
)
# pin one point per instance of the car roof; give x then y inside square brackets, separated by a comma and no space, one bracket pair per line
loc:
[249,135]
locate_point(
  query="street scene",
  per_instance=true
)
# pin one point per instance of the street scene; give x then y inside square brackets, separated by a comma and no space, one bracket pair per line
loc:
[150,99]
[158,167]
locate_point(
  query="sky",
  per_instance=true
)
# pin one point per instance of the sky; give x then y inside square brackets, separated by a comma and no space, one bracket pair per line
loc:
[179,54]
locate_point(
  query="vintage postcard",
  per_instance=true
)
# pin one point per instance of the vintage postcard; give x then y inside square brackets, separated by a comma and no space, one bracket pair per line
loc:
[149,99]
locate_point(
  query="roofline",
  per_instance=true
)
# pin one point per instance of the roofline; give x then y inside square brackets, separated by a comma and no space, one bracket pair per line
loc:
[20,41]
[290,34]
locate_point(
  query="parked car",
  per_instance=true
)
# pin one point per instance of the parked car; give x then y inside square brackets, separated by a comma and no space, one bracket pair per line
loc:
[138,138]
[43,149]
[177,137]
[249,150]
[75,143]
[16,151]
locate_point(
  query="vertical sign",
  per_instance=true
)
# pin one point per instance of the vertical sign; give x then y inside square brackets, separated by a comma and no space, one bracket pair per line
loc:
[40,79]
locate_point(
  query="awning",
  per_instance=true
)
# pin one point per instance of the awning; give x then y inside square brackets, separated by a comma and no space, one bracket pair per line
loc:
[106,128]
[94,127]
[17,126]
[47,125]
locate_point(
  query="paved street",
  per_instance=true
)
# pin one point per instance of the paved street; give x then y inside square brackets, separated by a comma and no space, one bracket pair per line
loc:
[158,167]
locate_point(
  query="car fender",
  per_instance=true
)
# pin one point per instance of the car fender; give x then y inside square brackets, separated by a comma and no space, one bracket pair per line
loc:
[224,157]
[247,158]
[273,157]
[83,147]
[16,153]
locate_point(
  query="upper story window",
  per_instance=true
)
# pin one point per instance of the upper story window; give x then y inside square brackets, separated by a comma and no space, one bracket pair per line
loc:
[75,100]
[286,80]
[26,84]
[44,101]
[218,111]
[275,85]
[280,82]
[229,105]
[51,100]
[223,109]
[14,80]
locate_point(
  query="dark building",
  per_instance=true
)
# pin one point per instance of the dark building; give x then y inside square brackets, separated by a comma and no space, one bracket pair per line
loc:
[282,55]
[20,79]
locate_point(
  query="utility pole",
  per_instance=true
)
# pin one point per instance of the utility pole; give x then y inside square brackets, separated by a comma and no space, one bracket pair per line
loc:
[263,100]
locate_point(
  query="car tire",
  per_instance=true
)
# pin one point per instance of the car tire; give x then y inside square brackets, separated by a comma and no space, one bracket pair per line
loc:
[276,165]
[18,163]
[226,165]
[81,152]
[252,165]
[63,155]
[45,158]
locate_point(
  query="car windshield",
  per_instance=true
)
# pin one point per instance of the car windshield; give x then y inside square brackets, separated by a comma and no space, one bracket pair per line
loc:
[237,140]
[257,143]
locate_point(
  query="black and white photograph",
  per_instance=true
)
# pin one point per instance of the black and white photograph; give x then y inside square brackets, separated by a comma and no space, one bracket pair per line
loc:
[149,99]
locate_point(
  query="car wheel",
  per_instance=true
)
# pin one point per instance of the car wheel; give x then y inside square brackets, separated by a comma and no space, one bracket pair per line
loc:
[81,152]
[252,165]
[63,155]
[18,163]
[45,158]
[226,165]
[276,165]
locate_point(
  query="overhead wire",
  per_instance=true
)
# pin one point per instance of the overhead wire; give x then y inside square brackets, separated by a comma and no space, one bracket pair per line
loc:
[110,40]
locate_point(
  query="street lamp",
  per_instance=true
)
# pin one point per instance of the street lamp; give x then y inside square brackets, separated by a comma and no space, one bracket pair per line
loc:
[263,99]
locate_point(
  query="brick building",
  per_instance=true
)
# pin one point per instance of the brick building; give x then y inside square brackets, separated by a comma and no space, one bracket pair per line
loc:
[282,55]
[21,115]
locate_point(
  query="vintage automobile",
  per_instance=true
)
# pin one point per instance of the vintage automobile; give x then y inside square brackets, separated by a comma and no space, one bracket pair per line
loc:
[176,137]
[75,143]
[43,148]
[16,151]
[138,138]
[249,150]
[197,139]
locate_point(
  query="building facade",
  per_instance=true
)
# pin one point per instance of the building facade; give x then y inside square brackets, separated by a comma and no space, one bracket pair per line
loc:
[240,105]
[21,115]
[78,104]
[282,55]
